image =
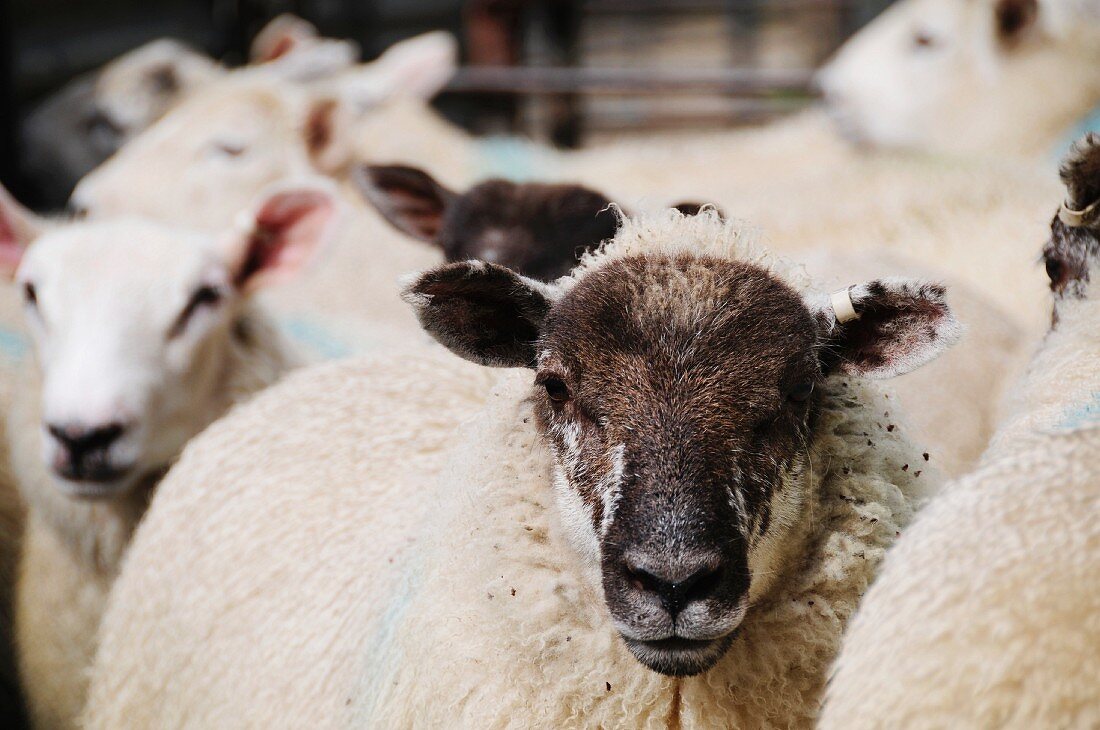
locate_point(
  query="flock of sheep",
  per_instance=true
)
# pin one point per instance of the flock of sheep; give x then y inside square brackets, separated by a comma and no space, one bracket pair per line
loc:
[660,485]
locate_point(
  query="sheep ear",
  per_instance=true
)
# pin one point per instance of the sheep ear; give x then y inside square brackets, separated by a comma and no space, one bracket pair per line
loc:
[326,129]
[280,37]
[18,227]
[886,327]
[483,312]
[409,198]
[283,232]
[1081,174]
[1013,18]
[416,68]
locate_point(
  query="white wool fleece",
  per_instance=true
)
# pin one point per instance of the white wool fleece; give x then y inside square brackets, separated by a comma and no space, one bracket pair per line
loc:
[259,577]
[986,612]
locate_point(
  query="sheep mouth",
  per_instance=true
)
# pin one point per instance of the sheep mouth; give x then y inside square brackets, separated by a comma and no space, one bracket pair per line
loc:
[101,483]
[680,657]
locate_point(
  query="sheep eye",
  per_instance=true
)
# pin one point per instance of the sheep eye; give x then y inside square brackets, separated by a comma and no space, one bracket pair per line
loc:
[1055,271]
[556,390]
[204,296]
[30,295]
[801,392]
[230,149]
[923,40]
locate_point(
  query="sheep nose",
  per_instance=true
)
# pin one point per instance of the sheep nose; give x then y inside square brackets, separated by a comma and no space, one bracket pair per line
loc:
[85,450]
[677,584]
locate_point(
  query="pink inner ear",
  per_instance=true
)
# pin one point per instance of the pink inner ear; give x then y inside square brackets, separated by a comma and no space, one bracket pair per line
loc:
[11,250]
[289,227]
[281,47]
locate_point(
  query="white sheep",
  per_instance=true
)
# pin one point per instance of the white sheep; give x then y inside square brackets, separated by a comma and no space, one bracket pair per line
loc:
[411,570]
[84,123]
[143,334]
[985,612]
[972,76]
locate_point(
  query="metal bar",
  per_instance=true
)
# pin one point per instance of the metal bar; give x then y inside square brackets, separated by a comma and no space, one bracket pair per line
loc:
[679,7]
[631,81]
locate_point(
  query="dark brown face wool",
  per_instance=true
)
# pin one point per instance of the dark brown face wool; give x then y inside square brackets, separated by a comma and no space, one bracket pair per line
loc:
[539,230]
[688,384]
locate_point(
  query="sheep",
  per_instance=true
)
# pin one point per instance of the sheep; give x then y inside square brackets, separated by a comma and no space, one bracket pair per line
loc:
[85,122]
[535,229]
[968,76]
[143,334]
[985,612]
[539,230]
[406,543]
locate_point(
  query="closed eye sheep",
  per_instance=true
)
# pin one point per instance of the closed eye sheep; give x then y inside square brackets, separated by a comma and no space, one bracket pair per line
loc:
[668,527]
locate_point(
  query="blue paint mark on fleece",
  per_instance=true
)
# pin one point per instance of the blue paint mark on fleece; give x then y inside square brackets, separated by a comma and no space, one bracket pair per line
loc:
[512,158]
[385,657]
[1086,415]
[12,344]
[315,337]
[1091,123]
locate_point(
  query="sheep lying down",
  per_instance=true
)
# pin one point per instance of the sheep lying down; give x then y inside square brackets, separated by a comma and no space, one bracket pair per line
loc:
[985,614]
[669,527]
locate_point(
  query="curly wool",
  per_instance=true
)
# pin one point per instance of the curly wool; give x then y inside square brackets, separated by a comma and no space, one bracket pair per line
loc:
[985,614]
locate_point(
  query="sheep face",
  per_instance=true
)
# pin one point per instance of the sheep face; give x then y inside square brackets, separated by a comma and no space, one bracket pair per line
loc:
[921,74]
[536,229]
[1074,246]
[136,327]
[212,155]
[88,120]
[678,395]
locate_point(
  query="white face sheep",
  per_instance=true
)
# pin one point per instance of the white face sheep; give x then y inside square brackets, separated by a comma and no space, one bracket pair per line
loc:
[206,159]
[144,333]
[985,612]
[968,75]
[88,120]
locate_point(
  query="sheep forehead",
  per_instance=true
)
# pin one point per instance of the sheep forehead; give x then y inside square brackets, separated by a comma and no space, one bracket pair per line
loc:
[120,265]
[722,324]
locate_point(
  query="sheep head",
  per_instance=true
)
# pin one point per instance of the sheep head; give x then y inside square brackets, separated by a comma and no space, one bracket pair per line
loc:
[678,395]
[966,75]
[137,328]
[536,229]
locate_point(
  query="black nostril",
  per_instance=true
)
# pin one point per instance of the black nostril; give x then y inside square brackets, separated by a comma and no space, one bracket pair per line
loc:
[675,594]
[80,440]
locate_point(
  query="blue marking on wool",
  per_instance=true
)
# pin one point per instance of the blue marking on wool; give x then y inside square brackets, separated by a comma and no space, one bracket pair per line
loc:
[13,344]
[1090,123]
[511,158]
[315,337]
[1085,415]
